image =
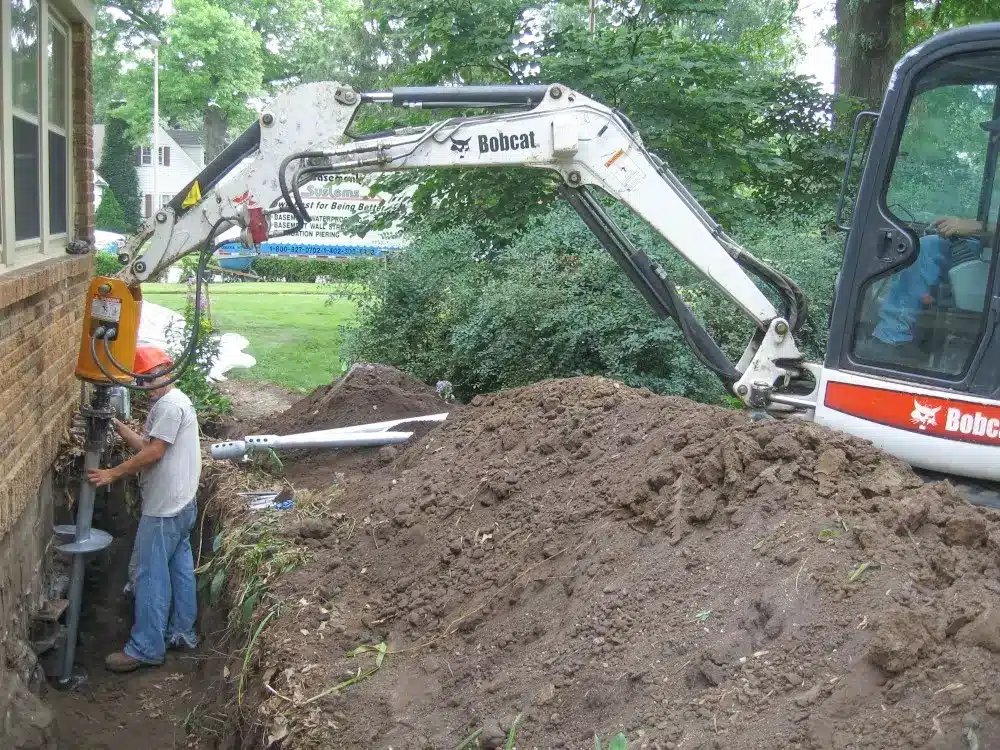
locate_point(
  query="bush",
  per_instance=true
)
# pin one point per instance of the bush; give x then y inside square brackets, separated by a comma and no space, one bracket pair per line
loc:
[208,401]
[292,269]
[107,264]
[117,167]
[110,217]
[553,304]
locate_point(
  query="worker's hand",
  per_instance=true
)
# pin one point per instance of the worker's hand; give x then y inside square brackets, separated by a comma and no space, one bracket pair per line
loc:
[102,477]
[951,225]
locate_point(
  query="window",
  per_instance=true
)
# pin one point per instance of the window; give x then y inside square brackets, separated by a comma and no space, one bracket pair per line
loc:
[929,316]
[143,156]
[24,18]
[58,123]
[165,199]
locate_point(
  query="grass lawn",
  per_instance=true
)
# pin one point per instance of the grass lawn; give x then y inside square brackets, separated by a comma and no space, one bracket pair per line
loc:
[294,335]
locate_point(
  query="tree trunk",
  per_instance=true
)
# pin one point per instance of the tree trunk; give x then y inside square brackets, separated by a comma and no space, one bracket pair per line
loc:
[216,125]
[870,35]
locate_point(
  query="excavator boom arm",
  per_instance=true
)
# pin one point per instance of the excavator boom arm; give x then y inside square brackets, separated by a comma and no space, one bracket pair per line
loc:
[302,135]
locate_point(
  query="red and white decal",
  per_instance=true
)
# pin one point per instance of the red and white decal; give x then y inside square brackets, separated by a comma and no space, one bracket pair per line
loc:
[245,198]
[932,415]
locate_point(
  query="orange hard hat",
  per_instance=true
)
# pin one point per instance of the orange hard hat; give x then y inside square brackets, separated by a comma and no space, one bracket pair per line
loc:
[149,357]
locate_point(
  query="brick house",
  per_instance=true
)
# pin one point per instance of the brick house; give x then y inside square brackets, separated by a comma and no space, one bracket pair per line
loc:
[47,201]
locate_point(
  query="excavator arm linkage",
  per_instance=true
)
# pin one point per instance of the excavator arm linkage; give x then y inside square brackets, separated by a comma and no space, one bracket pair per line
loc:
[302,136]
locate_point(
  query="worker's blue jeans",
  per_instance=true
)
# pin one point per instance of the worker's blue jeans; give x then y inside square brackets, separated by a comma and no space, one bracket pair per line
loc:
[906,289]
[166,602]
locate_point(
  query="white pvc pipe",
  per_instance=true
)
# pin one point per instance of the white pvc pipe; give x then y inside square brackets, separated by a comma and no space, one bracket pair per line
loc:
[255,443]
[373,427]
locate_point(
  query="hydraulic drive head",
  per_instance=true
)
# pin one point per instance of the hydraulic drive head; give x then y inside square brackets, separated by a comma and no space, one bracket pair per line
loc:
[110,323]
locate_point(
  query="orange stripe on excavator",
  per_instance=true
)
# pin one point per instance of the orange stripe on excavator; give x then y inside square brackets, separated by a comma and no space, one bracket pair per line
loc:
[947,418]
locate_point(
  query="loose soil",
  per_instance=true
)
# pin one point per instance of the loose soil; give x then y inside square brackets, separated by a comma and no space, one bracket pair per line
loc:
[580,558]
[592,558]
[255,400]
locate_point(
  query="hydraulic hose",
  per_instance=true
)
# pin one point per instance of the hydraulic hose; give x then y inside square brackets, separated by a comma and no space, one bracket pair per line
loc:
[182,363]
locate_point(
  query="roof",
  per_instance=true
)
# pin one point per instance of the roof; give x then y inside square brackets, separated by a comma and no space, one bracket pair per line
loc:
[98,180]
[187,138]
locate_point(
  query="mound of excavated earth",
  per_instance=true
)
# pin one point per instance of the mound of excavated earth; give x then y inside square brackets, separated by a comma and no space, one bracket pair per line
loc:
[366,393]
[594,559]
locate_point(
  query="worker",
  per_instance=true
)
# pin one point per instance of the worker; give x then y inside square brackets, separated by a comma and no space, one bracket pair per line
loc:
[168,460]
[910,288]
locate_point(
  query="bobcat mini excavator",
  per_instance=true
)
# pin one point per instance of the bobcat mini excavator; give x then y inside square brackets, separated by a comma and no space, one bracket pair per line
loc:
[913,362]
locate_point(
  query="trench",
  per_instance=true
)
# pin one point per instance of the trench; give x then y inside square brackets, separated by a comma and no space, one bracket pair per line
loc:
[181,704]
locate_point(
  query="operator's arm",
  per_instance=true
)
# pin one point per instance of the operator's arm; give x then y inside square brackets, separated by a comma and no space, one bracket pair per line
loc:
[150,453]
[951,225]
[132,438]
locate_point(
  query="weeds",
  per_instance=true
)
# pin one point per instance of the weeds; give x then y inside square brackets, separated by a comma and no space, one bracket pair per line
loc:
[618,742]
[251,556]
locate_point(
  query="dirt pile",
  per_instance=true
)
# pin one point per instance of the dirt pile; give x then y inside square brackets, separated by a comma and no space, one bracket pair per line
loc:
[366,393]
[592,558]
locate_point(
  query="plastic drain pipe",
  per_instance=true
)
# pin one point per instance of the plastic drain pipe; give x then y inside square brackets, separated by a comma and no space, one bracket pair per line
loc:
[85,539]
[374,433]
[262,443]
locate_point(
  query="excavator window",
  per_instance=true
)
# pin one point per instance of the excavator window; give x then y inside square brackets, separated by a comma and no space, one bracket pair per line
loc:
[929,316]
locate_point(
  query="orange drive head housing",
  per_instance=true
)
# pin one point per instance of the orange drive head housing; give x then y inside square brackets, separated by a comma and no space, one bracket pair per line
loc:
[110,304]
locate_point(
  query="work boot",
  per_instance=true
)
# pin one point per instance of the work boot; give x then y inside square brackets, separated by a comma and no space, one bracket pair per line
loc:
[121,662]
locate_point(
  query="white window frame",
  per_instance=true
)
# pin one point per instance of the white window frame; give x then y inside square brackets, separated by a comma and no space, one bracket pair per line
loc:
[52,17]
[146,156]
[15,253]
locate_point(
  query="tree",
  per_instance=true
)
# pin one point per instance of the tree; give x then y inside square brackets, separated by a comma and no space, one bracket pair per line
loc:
[117,167]
[210,74]
[870,37]
[110,217]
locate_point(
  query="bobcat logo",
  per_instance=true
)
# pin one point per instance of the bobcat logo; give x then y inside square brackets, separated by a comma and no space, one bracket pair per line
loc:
[923,415]
[460,147]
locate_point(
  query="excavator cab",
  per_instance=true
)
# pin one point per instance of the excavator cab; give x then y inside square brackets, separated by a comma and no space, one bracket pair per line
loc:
[914,356]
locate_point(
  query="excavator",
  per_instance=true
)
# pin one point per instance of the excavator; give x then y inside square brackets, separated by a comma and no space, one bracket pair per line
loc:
[913,361]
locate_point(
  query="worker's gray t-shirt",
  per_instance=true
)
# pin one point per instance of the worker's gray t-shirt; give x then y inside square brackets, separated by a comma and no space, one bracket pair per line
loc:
[172,482]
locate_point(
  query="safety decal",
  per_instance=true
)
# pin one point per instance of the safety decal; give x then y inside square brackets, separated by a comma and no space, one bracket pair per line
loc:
[193,197]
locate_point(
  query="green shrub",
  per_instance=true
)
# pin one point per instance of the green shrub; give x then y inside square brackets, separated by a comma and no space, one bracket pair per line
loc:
[553,304]
[107,264]
[110,216]
[208,401]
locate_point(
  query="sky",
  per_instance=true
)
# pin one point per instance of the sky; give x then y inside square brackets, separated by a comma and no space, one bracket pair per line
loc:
[816,16]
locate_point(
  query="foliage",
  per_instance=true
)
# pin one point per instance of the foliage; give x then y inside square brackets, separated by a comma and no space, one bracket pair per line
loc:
[208,402]
[207,57]
[554,305]
[291,269]
[709,87]
[107,264]
[742,136]
[109,216]
[117,167]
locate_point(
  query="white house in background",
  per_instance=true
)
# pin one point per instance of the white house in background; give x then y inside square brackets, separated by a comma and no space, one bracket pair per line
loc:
[99,187]
[181,158]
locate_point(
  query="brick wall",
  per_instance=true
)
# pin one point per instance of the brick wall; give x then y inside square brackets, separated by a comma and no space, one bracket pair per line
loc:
[41,308]
[83,135]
